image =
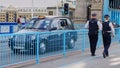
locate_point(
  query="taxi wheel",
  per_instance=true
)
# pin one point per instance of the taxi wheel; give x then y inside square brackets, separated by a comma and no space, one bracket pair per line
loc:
[42,48]
[71,43]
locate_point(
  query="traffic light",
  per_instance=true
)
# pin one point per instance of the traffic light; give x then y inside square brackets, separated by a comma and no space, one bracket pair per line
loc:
[66,8]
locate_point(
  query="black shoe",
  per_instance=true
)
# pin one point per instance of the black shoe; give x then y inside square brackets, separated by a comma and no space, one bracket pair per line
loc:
[104,55]
[107,54]
[93,55]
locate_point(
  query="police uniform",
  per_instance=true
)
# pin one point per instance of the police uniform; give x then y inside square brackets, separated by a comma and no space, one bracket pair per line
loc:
[93,26]
[106,34]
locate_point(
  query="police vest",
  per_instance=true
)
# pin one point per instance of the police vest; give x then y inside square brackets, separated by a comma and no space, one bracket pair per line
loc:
[93,26]
[106,26]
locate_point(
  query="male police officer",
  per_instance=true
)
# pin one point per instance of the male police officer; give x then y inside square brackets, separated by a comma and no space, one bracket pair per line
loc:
[93,26]
[106,33]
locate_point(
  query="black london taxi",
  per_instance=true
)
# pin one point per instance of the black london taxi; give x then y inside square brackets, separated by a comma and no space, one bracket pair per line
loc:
[28,42]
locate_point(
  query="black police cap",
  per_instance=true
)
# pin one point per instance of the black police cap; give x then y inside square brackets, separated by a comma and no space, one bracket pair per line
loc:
[94,14]
[106,16]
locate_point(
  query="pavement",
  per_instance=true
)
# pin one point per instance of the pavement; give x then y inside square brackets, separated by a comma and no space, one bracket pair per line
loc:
[84,60]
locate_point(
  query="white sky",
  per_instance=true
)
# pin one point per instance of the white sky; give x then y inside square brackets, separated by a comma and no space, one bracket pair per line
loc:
[28,3]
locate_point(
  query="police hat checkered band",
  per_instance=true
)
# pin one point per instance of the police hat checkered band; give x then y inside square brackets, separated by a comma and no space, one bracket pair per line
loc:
[94,14]
[106,16]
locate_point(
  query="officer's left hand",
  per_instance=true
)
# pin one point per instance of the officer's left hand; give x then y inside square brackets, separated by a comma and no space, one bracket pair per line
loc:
[113,35]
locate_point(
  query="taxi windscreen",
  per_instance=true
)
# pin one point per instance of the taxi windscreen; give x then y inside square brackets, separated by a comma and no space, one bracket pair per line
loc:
[38,24]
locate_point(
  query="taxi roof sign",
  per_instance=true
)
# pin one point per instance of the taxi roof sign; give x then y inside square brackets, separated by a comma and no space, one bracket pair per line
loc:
[41,17]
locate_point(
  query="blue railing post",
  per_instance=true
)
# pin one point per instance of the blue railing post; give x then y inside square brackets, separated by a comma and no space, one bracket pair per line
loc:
[114,16]
[0,29]
[105,7]
[119,19]
[11,28]
[111,17]
[83,44]
[64,44]
[37,52]
[100,39]
[119,34]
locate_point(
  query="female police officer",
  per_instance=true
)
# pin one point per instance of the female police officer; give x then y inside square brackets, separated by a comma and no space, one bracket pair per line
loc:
[107,30]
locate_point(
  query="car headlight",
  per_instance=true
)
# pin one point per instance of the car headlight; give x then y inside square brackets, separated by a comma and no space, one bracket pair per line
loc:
[33,37]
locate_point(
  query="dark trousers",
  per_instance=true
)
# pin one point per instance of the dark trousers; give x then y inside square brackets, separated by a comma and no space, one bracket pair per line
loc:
[93,38]
[106,41]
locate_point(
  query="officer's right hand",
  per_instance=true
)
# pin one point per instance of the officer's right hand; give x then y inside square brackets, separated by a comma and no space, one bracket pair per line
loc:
[113,35]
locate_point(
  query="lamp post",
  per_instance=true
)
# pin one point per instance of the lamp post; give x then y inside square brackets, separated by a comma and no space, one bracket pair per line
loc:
[62,7]
[32,8]
[62,1]
[57,8]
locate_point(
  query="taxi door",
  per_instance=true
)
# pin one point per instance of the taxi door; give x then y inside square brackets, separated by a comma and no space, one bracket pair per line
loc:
[54,35]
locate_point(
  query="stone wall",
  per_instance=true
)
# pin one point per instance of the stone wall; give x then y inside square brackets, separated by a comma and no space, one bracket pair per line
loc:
[97,8]
[81,9]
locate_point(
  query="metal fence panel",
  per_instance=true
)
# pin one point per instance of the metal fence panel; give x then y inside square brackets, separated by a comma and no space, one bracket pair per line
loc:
[16,48]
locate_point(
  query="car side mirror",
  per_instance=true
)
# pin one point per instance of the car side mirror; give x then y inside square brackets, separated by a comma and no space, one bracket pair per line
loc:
[54,28]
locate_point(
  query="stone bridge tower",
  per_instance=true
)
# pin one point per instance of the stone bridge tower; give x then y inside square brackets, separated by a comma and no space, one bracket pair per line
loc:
[84,9]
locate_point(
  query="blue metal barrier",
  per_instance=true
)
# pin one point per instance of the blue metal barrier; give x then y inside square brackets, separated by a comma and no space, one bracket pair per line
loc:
[8,27]
[113,12]
[17,48]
